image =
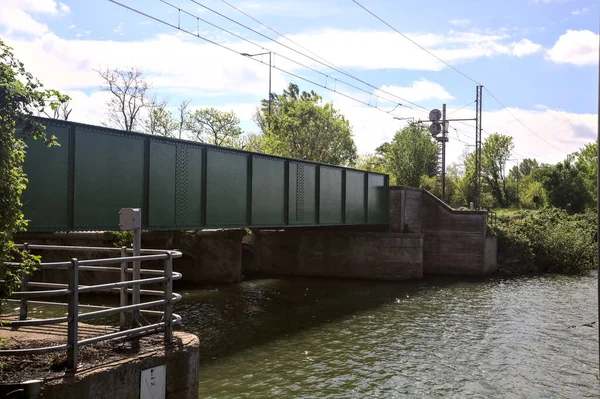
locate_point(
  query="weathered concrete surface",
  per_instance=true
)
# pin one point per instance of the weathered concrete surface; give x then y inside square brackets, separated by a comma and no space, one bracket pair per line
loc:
[455,242]
[364,255]
[122,379]
[209,256]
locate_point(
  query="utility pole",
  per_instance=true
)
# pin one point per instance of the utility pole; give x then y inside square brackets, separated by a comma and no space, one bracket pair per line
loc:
[444,135]
[270,55]
[478,112]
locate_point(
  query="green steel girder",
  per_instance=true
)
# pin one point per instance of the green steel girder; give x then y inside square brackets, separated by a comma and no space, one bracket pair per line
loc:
[179,184]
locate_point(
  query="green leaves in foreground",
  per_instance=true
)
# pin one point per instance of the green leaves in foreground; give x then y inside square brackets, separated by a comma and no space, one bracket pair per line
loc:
[549,240]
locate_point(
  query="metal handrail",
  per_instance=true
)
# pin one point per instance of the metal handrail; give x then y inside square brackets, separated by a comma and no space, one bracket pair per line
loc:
[124,287]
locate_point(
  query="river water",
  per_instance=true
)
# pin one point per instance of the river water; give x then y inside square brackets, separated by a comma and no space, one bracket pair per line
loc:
[433,338]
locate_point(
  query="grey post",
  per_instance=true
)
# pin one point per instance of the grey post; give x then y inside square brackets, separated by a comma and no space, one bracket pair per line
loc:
[444,135]
[24,282]
[137,245]
[168,290]
[73,313]
[123,290]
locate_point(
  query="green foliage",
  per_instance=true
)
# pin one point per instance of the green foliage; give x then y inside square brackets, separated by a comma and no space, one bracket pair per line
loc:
[211,126]
[587,164]
[548,240]
[495,152]
[20,95]
[301,126]
[530,189]
[565,187]
[411,155]
[371,163]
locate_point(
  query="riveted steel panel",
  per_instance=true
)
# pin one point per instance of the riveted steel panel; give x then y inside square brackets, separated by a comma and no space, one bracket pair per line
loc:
[292,190]
[189,214]
[355,197]
[109,175]
[226,188]
[330,198]
[161,188]
[268,191]
[378,199]
[46,199]
[306,185]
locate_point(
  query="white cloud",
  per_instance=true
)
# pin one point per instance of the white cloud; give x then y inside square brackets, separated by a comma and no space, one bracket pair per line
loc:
[541,106]
[118,29]
[525,47]
[460,22]
[578,47]
[15,15]
[580,11]
[567,131]
[553,1]
[64,8]
[419,91]
[72,26]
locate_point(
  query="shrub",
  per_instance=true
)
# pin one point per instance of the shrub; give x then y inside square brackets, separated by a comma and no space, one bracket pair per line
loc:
[548,240]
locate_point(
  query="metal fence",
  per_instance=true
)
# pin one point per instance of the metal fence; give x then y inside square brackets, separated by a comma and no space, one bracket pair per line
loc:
[124,287]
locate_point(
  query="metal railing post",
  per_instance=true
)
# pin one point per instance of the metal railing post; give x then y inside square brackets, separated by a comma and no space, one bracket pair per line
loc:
[137,246]
[168,291]
[73,315]
[123,291]
[24,288]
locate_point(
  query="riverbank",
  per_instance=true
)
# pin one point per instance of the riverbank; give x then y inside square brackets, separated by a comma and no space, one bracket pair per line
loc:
[548,240]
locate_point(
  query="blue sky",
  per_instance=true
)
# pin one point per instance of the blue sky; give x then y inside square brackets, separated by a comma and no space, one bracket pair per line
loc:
[539,57]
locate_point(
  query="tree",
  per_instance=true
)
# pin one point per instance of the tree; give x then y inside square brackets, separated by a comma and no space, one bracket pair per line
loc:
[211,126]
[410,155]
[302,126]
[20,96]
[159,120]
[182,109]
[128,88]
[61,112]
[371,163]
[495,152]
[467,184]
[587,164]
[565,186]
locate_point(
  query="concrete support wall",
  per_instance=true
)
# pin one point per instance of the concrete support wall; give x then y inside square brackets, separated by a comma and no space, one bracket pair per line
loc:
[364,255]
[455,242]
[122,379]
[209,256]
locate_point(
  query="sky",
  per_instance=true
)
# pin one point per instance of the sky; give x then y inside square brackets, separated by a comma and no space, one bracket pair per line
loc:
[538,58]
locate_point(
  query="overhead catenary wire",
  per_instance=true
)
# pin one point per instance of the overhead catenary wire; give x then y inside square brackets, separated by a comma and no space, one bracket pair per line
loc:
[197,35]
[313,59]
[326,64]
[458,71]
[393,101]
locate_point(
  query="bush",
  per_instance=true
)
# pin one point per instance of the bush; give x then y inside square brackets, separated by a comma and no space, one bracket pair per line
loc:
[548,240]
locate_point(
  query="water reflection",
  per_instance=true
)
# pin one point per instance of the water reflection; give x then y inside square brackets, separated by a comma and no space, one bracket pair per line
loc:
[317,338]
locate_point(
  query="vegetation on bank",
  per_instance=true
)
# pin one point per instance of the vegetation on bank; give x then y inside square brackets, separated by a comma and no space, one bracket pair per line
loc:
[548,240]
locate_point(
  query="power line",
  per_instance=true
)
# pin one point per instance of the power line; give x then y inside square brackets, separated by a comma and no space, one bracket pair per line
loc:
[461,108]
[236,52]
[285,57]
[309,57]
[458,71]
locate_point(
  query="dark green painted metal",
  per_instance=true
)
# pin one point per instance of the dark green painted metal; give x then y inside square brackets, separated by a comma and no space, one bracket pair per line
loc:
[109,175]
[161,204]
[330,209]
[377,199]
[226,185]
[47,199]
[355,197]
[268,191]
[186,185]
[292,193]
